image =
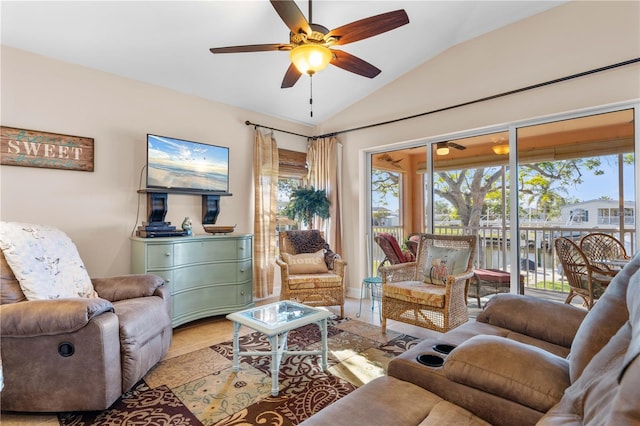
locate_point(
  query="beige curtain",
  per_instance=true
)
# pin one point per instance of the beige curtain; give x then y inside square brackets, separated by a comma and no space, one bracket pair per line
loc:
[265,172]
[325,172]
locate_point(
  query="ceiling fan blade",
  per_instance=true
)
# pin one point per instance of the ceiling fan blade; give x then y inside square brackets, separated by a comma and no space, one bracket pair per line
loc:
[292,16]
[290,77]
[351,63]
[456,146]
[369,27]
[251,48]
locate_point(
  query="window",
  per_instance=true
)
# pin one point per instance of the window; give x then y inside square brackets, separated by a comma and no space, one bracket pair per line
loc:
[285,186]
[385,196]
[579,216]
[292,173]
[608,216]
[629,216]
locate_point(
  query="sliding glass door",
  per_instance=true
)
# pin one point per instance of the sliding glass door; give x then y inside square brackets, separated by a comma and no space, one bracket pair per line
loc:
[575,176]
[572,175]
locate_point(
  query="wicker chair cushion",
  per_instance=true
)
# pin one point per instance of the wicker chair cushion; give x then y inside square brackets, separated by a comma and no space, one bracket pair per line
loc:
[391,248]
[416,292]
[599,283]
[310,281]
[306,263]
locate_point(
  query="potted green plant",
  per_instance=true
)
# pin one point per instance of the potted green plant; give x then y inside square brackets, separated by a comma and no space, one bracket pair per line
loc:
[305,203]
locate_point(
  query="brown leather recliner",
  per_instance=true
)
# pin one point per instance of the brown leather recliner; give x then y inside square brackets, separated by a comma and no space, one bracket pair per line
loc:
[80,354]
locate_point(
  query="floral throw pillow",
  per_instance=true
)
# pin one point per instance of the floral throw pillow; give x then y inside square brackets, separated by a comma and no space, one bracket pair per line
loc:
[45,261]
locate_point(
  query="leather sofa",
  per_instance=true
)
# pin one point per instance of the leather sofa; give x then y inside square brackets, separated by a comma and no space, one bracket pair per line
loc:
[524,361]
[80,354]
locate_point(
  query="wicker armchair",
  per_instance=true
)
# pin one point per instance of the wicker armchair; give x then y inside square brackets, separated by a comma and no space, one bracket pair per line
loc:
[305,278]
[600,248]
[431,291]
[584,280]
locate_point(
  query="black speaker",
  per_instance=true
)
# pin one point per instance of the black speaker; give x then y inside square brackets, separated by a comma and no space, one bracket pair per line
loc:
[210,209]
[157,206]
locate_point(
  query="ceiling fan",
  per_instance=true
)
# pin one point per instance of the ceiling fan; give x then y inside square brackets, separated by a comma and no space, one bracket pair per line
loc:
[442,148]
[389,159]
[309,43]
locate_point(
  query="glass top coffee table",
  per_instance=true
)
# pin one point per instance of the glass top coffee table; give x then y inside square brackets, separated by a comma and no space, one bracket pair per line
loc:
[275,321]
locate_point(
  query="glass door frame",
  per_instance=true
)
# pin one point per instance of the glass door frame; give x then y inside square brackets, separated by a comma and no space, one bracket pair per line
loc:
[511,128]
[513,164]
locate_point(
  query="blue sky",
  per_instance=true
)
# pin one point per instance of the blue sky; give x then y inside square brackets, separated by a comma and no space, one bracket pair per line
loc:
[595,187]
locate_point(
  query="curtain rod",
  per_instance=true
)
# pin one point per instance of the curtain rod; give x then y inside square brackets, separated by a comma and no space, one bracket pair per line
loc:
[248,123]
[487,98]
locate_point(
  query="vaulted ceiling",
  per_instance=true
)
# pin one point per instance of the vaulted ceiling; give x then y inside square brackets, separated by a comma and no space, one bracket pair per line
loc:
[166,43]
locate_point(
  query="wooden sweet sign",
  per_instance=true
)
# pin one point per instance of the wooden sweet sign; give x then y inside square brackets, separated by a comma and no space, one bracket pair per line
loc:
[31,148]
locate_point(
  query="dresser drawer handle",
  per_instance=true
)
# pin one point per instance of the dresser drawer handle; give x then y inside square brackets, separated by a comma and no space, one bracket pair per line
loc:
[242,269]
[167,254]
[242,293]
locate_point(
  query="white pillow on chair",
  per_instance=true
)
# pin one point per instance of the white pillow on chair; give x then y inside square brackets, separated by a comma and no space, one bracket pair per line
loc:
[45,261]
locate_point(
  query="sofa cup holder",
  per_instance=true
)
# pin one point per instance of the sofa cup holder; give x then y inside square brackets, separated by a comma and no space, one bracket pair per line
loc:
[430,360]
[66,349]
[443,348]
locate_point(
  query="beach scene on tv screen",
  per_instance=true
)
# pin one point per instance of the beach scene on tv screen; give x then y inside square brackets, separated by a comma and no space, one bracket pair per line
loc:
[175,163]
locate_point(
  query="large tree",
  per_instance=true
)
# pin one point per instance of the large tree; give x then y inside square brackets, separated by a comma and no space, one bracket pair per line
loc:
[546,185]
[466,191]
[384,184]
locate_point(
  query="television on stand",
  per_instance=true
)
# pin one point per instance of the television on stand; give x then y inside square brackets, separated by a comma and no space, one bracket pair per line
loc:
[182,166]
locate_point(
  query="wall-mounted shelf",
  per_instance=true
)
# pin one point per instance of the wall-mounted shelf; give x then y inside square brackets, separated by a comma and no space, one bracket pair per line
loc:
[183,191]
[157,203]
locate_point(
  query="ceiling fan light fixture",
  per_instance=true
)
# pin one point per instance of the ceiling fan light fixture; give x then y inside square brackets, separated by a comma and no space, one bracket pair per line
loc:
[311,58]
[442,148]
[502,149]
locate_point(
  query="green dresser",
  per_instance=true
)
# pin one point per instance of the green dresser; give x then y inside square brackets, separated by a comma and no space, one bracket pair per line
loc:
[208,274]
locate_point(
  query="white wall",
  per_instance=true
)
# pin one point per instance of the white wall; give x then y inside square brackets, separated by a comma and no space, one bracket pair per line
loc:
[569,39]
[98,209]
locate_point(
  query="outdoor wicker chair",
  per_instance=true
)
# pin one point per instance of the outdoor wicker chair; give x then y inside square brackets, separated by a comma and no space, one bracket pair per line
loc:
[584,280]
[601,249]
[431,291]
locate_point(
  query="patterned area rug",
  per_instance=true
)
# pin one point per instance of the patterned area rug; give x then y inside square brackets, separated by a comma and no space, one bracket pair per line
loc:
[200,388]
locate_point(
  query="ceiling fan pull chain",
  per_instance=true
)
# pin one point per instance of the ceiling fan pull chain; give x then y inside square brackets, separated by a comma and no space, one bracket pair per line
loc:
[311,95]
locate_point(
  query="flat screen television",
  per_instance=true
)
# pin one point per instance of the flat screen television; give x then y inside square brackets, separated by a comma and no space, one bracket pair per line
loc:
[181,165]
